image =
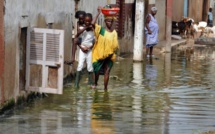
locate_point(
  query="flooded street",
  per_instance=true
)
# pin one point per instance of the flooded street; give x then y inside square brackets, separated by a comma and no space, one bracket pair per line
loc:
[165,95]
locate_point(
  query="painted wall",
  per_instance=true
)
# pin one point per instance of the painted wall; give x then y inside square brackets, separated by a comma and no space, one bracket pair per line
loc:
[37,12]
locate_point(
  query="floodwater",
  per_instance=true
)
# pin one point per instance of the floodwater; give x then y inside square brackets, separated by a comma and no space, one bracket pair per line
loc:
[169,94]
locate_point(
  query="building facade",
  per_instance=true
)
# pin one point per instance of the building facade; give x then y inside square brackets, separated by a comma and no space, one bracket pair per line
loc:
[21,15]
[18,16]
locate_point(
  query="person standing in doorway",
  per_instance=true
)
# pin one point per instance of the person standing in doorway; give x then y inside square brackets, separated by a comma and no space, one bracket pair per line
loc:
[152,30]
[210,18]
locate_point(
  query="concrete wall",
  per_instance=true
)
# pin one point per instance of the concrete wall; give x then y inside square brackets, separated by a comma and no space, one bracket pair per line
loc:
[1,51]
[126,43]
[61,11]
[36,10]
[178,10]
[197,9]
[161,18]
[85,4]
[194,12]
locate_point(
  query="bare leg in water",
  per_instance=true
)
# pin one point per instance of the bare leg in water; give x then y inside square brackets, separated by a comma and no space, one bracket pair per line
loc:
[106,76]
[147,51]
[96,78]
[151,51]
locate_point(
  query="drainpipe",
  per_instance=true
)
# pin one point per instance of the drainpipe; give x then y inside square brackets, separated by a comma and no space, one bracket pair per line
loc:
[138,33]
[168,25]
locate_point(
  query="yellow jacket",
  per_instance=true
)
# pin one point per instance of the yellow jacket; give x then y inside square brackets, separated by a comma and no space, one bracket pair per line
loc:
[106,44]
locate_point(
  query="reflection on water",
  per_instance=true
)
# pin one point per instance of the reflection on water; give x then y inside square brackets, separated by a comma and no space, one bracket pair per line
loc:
[137,74]
[168,94]
[150,74]
[101,118]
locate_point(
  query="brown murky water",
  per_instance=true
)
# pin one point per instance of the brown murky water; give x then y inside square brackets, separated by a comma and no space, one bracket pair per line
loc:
[166,95]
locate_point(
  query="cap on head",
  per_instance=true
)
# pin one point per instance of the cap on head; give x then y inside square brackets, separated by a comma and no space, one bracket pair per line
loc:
[154,9]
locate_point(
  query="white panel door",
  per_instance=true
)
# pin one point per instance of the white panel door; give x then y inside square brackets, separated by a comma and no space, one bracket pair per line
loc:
[45,56]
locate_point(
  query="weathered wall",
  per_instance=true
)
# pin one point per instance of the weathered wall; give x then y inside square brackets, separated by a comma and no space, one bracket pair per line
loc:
[37,10]
[196,9]
[85,4]
[178,10]
[1,51]
[206,6]
[161,18]
[126,43]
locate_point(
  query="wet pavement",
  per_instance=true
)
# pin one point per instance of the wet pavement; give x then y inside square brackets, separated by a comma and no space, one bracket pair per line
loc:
[164,95]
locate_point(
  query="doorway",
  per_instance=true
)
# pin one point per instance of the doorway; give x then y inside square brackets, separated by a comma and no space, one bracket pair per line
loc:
[22,59]
[205,10]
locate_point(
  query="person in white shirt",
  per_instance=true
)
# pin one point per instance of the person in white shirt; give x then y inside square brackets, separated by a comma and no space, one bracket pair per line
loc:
[85,53]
